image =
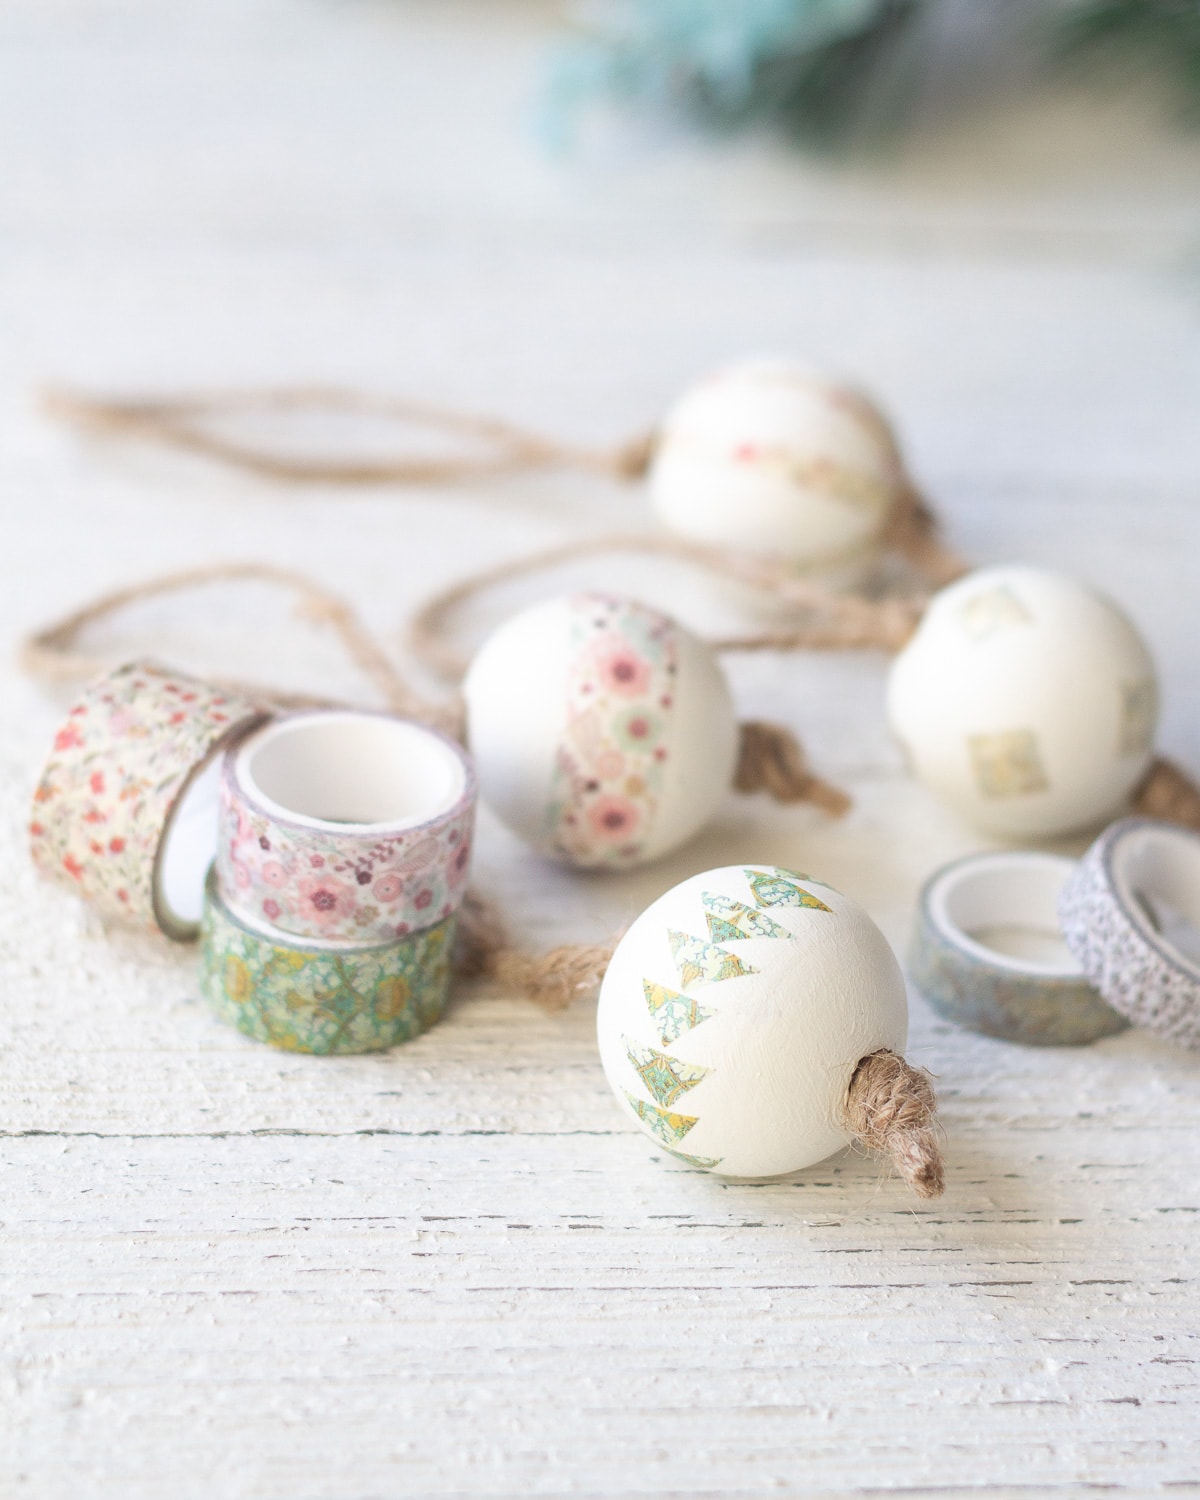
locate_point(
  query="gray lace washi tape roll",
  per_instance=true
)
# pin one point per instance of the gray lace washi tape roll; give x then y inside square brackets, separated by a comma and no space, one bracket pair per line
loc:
[342,825]
[1131,915]
[987,953]
[320,997]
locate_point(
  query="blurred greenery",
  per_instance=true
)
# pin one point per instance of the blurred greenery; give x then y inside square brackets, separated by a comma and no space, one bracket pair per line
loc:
[826,71]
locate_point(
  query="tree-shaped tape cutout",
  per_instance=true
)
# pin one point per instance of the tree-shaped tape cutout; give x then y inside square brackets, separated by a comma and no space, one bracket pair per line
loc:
[780,889]
[666,1078]
[696,1161]
[671,1012]
[730,920]
[702,962]
[666,1125]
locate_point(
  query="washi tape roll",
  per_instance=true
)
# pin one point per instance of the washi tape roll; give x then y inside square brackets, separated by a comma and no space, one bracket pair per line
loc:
[1131,915]
[313,997]
[125,812]
[345,826]
[987,953]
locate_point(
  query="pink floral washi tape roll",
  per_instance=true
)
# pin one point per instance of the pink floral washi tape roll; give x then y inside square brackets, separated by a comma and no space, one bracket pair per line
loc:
[125,812]
[346,826]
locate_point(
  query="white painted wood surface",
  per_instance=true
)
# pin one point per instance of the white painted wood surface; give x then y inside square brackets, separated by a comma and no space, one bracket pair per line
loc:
[453,1270]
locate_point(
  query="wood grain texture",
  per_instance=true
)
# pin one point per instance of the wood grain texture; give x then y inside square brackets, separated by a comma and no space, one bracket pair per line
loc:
[454,1270]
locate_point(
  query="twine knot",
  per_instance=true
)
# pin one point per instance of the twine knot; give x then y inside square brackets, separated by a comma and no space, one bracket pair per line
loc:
[771,759]
[892,1109]
[1167,793]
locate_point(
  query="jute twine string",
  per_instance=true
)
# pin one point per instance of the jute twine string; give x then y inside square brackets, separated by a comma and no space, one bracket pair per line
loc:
[182,422]
[891,1108]
[52,654]
[1169,793]
[829,621]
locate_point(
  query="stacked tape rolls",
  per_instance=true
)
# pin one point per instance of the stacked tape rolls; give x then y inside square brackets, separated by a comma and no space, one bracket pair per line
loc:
[342,857]
[322,856]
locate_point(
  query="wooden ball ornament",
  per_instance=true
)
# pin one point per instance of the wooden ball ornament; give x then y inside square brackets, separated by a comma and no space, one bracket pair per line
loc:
[603,732]
[1027,701]
[777,459]
[751,1021]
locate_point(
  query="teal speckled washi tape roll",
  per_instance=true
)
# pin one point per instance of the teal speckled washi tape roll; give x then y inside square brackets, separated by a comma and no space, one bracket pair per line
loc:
[322,998]
[1030,989]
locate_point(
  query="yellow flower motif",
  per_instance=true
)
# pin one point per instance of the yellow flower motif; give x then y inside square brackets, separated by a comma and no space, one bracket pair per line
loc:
[237,982]
[391,997]
[287,961]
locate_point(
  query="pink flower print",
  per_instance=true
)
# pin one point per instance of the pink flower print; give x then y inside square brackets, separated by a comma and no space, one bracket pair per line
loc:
[241,875]
[621,670]
[609,764]
[274,874]
[121,721]
[270,909]
[68,738]
[96,782]
[326,900]
[637,730]
[387,889]
[613,819]
[424,899]
[317,861]
[73,868]
[461,859]
[116,846]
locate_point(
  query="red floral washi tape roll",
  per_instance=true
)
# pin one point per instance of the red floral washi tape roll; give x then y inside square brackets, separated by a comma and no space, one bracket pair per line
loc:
[346,826]
[125,812]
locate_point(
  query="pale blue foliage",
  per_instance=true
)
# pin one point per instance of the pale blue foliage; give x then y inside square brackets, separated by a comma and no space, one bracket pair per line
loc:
[802,61]
[724,42]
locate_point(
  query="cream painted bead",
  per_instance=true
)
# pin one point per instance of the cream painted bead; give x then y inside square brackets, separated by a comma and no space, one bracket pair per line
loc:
[603,731]
[777,459]
[735,1011]
[1027,701]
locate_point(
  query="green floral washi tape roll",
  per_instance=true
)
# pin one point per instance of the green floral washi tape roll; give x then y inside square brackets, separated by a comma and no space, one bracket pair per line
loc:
[325,998]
